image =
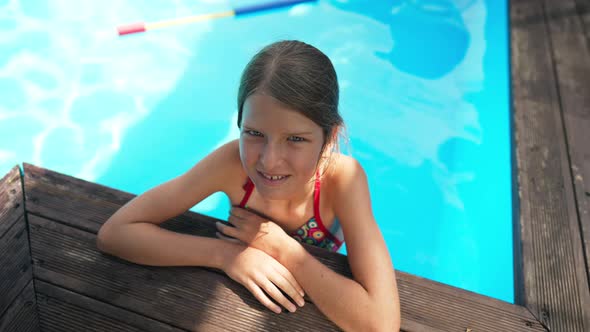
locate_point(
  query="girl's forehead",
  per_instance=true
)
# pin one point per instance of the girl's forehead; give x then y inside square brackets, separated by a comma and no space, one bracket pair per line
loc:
[263,110]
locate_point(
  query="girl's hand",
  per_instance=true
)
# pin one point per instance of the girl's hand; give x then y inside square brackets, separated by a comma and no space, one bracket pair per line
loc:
[257,271]
[255,231]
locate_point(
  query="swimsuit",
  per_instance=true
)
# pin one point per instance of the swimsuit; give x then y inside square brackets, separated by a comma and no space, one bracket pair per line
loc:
[313,231]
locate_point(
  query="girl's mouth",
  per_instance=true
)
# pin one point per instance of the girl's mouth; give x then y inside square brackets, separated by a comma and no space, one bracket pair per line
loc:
[273,178]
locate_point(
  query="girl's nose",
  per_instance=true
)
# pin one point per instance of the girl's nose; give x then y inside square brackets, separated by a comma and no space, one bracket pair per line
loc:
[271,156]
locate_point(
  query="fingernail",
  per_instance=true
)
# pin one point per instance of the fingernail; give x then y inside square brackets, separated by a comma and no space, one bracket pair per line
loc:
[278,310]
[292,308]
[301,303]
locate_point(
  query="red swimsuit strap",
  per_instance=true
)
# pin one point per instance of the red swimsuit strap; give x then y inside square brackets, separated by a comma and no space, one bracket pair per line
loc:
[316,212]
[248,187]
[316,199]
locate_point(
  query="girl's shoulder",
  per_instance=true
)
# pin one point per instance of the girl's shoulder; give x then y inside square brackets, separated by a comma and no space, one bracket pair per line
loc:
[229,153]
[341,173]
[342,167]
[218,171]
[227,159]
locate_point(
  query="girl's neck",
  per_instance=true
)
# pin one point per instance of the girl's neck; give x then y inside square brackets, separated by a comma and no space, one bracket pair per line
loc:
[299,199]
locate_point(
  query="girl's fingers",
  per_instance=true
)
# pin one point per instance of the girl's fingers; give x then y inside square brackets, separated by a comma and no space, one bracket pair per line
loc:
[226,230]
[237,222]
[262,298]
[227,238]
[238,212]
[235,219]
[286,274]
[244,214]
[288,288]
[276,294]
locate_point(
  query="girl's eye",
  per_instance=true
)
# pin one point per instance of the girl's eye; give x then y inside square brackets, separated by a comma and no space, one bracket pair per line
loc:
[253,133]
[296,139]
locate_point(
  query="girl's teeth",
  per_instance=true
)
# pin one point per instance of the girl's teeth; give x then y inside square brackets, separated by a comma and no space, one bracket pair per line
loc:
[276,177]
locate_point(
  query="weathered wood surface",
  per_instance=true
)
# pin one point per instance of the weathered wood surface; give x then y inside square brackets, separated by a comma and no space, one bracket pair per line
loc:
[571,55]
[15,268]
[11,200]
[183,297]
[555,278]
[17,308]
[583,8]
[65,214]
[21,315]
[64,310]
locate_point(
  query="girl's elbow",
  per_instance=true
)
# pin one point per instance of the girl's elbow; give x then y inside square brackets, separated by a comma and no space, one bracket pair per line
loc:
[386,321]
[395,323]
[385,325]
[396,326]
[103,238]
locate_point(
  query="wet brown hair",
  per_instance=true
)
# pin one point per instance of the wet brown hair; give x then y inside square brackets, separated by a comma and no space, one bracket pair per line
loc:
[300,77]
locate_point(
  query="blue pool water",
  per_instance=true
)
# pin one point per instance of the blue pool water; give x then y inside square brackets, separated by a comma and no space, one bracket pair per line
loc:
[424,92]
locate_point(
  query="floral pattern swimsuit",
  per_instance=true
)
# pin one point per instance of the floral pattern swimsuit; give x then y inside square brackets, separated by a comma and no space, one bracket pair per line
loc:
[313,231]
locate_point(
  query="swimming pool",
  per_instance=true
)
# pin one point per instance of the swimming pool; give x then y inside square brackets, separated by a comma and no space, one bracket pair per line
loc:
[424,93]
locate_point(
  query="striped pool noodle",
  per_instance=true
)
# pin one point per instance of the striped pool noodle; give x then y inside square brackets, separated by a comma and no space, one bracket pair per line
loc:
[266,6]
[142,27]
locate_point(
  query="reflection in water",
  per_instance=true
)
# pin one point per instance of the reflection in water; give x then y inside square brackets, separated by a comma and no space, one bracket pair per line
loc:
[430,37]
[419,104]
[75,87]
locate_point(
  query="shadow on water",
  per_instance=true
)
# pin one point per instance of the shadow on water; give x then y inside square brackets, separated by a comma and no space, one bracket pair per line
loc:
[429,36]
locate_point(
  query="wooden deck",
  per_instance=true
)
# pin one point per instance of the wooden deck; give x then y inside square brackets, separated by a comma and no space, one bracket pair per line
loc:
[52,278]
[551,100]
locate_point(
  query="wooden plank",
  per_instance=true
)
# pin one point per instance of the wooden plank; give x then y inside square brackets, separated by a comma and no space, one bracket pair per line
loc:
[75,264]
[17,301]
[64,310]
[21,315]
[583,7]
[14,255]
[65,256]
[15,264]
[550,255]
[184,297]
[11,200]
[85,205]
[451,309]
[571,54]
[584,12]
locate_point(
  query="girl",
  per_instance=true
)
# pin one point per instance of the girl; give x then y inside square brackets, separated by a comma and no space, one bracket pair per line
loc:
[287,184]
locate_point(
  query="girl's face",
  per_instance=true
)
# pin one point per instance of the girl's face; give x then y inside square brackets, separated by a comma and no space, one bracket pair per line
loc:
[279,147]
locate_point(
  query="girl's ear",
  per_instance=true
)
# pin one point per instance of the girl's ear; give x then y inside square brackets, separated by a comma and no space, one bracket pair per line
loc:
[332,139]
[331,143]
[331,146]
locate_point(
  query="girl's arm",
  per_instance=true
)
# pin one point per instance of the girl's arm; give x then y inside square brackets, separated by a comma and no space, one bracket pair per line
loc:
[367,303]
[132,233]
[370,302]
